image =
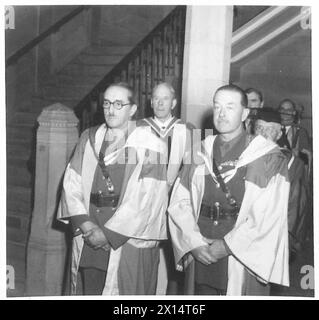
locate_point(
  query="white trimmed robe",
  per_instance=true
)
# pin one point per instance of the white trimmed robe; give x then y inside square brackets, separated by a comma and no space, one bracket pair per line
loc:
[141,211]
[181,140]
[259,239]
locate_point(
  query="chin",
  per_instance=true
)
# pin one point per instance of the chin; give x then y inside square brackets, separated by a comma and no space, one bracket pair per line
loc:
[112,123]
[223,129]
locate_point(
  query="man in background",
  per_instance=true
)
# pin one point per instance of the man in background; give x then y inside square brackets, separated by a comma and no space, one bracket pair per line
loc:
[255,102]
[177,136]
[268,124]
[294,137]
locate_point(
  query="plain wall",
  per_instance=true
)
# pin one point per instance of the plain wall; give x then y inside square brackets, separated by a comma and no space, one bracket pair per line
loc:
[283,71]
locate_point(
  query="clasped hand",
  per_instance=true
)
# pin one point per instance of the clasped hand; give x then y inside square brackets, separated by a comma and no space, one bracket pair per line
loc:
[94,237]
[211,252]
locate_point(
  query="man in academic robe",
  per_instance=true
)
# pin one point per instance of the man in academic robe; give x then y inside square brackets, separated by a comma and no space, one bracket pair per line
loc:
[177,136]
[294,137]
[115,197]
[268,124]
[228,209]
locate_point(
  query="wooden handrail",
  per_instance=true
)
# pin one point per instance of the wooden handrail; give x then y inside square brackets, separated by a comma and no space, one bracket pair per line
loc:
[133,65]
[54,28]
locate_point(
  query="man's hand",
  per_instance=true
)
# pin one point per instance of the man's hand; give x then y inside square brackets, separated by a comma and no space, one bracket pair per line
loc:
[94,236]
[218,249]
[87,226]
[96,239]
[203,255]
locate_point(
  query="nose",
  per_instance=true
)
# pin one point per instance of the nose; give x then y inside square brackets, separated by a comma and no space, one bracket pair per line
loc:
[111,109]
[222,113]
[160,102]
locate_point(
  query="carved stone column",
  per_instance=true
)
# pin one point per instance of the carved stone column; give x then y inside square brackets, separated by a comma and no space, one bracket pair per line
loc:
[56,137]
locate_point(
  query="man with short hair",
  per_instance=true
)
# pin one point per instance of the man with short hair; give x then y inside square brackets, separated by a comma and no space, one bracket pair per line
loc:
[175,133]
[228,210]
[115,199]
[255,102]
[268,124]
[294,137]
[177,137]
[255,98]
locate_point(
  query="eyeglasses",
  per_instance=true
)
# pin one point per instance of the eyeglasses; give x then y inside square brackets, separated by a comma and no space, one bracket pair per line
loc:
[117,104]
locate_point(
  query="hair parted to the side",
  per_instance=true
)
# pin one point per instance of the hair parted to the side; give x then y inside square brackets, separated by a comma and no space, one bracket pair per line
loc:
[234,88]
[259,94]
[125,85]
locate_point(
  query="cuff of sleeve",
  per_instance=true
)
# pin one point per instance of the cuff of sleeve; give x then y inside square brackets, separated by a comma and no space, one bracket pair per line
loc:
[227,248]
[115,239]
[76,222]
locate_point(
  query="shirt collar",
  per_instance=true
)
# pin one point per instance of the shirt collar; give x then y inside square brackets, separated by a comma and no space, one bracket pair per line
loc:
[287,128]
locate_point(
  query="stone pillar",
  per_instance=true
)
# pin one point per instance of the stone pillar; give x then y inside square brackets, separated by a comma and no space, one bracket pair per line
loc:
[56,137]
[207,55]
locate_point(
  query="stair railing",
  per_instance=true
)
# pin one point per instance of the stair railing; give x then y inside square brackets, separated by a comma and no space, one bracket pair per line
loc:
[156,58]
[53,29]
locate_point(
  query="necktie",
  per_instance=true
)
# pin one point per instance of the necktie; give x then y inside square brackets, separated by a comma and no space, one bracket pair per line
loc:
[284,138]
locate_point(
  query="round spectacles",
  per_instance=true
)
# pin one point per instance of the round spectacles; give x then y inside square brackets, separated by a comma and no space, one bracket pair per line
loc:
[117,104]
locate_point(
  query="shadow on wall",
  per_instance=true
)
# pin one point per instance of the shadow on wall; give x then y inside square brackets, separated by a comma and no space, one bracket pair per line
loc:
[207,124]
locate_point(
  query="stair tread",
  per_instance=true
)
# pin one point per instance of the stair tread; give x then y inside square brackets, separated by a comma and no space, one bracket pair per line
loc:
[24,191]
[24,215]
[79,63]
[14,152]
[19,174]
[20,189]
[100,50]
[18,237]
[24,118]
[24,132]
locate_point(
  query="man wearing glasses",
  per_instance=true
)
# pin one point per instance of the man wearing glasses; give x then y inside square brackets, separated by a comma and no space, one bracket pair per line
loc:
[115,199]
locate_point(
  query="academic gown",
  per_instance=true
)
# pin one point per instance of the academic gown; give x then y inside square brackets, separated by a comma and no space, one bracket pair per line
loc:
[140,214]
[259,239]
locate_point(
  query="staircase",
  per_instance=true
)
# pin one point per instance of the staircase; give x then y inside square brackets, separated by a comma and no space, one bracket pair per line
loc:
[74,86]
[68,87]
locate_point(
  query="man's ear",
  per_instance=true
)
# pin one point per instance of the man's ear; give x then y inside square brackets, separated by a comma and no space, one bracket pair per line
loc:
[245,114]
[262,104]
[174,104]
[133,110]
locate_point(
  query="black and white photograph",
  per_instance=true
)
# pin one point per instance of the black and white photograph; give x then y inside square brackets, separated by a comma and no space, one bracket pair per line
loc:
[159,150]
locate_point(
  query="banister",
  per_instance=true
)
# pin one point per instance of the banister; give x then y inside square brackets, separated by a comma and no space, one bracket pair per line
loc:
[54,28]
[135,62]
